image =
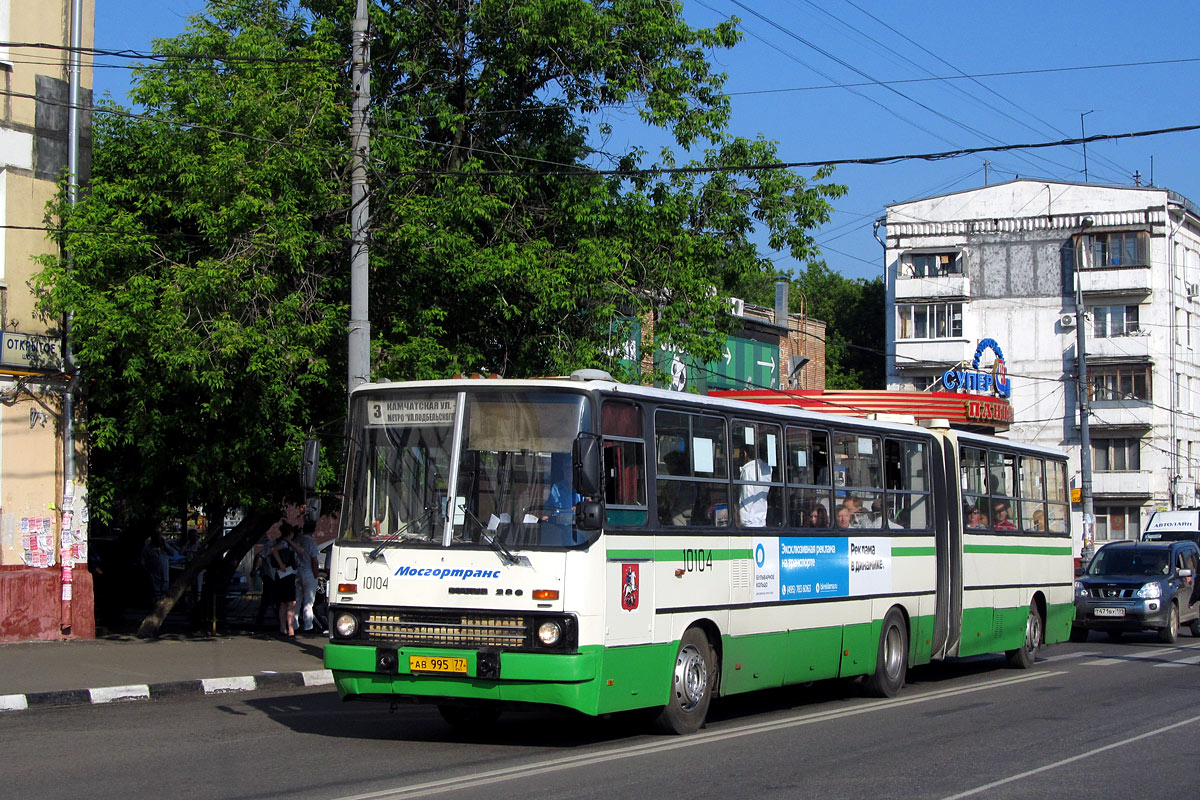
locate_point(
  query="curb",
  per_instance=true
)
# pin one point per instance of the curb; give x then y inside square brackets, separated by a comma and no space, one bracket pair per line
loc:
[162,691]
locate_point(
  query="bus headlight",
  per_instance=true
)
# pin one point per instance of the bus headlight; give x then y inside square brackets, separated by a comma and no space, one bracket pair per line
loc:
[345,626]
[549,633]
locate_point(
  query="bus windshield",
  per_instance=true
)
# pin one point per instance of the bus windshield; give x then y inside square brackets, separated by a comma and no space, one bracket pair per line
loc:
[508,484]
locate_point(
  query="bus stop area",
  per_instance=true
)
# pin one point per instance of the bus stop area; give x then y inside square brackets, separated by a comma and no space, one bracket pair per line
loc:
[123,668]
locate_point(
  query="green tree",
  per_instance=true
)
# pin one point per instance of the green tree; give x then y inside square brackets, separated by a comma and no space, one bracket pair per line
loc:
[853,310]
[205,275]
[497,248]
[208,277]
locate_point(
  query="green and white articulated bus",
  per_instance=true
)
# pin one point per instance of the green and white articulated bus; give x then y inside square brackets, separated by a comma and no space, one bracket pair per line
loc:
[602,547]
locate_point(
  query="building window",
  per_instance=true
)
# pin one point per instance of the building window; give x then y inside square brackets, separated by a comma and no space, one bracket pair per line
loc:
[1112,249]
[1116,455]
[1110,321]
[930,320]
[1120,382]
[1118,522]
[933,265]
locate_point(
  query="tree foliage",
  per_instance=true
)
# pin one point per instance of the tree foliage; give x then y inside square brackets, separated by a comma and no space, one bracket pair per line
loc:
[205,271]
[208,270]
[853,310]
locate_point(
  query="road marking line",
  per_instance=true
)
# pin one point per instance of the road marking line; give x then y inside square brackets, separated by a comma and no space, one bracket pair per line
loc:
[1181,662]
[114,694]
[1139,656]
[633,751]
[1073,759]
[244,683]
[1066,656]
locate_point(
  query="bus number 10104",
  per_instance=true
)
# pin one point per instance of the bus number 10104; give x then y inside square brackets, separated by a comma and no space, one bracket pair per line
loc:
[697,560]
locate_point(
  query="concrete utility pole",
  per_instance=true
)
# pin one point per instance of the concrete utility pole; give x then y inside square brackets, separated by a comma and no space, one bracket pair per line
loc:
[359,356]
[1085,438]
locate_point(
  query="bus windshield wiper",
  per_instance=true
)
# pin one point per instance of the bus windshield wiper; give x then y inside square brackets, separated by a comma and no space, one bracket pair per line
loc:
[490,533]
[398,535]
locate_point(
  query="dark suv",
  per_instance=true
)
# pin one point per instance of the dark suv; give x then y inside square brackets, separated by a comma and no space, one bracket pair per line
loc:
[1137,586]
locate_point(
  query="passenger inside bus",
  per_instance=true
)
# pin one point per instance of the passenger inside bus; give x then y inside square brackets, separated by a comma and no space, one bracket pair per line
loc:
[676,498]
[752,497]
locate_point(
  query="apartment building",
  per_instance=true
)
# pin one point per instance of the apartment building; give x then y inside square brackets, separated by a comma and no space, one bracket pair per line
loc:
[1001,262]
[42,519]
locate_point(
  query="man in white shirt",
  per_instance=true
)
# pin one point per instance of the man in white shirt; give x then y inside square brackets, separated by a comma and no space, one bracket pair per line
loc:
[306,584]
[752,497]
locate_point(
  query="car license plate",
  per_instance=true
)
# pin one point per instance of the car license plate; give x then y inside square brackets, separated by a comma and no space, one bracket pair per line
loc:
[437,664]
[1109,612]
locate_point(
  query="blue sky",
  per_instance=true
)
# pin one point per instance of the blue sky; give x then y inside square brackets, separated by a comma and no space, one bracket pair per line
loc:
[792,80]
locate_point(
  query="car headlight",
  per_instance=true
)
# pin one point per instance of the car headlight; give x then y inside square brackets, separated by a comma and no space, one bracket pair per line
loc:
[1079,588]
[1149,590]
[549,632]
[346,625]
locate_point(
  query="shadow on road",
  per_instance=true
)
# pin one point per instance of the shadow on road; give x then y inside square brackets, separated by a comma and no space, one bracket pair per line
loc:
[323,714]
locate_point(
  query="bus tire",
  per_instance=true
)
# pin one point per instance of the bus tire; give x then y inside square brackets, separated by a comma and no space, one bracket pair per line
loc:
[1170,634]
[891,662]
[692,681]
[468,718]
[1024,656]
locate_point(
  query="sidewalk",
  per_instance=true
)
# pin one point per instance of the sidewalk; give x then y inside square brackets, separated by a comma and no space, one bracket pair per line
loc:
[121,668]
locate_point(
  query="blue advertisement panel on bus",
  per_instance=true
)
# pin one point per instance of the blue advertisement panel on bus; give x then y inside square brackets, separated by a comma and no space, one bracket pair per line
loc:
[812,567]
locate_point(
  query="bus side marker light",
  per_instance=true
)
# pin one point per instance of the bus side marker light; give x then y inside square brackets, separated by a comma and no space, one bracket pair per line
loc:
[610,683]
[678,573]
[347,588]
[737,666]
[545,594]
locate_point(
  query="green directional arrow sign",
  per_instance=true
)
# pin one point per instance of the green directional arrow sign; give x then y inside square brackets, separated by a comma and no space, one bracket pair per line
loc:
[745,364]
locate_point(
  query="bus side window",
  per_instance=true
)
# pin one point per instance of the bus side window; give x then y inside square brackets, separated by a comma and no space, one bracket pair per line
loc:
[692,465]
[907,479]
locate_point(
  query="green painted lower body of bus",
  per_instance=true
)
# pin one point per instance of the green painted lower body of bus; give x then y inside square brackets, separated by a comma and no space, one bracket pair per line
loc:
[600,680]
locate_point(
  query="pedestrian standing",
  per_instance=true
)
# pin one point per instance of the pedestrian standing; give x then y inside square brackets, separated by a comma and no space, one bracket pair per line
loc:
[285,557]
[265,571]
[306,575]
[156,560]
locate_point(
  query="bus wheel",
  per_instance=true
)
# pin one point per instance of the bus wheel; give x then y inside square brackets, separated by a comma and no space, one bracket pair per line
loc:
[1024,656]
[468,718]
[691,685]
[891,662]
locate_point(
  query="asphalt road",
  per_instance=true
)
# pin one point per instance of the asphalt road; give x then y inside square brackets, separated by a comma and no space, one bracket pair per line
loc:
[1092,720]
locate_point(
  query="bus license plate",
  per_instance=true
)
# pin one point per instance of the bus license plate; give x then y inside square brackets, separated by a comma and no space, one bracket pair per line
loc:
[1109,612]
[437,664]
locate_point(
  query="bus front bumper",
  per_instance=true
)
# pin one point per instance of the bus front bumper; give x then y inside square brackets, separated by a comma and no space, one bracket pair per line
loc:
[369,671]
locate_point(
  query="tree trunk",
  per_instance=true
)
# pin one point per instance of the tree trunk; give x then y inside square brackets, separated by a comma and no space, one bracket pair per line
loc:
[216,549]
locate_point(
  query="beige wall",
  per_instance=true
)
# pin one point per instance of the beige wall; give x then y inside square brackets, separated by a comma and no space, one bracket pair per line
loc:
[30,444]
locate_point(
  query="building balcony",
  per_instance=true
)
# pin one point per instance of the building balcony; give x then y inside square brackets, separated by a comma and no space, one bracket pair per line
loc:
[920,353]
[1125,484]
[1119,348]
[1115,281]
[1127,414]
[948,286]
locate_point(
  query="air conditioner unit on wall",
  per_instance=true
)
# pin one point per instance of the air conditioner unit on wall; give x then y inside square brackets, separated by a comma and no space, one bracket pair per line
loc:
[1191,289]
[1067,321]
[737,307]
